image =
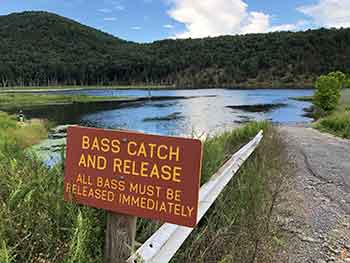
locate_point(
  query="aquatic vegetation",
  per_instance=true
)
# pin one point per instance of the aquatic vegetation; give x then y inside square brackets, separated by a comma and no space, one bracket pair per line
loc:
[257,107]
[170,117]
[22,100]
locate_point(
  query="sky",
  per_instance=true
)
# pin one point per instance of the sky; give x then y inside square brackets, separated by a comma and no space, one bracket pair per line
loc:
[150,20]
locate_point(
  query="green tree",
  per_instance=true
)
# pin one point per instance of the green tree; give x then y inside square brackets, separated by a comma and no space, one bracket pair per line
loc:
[327,93]
[347,82]
[341,77]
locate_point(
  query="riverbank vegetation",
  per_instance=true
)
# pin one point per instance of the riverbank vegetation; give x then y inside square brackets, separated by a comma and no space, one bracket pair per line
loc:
[70,53]
[332,104]
[239,227]
[36,225]
[53,88]
[22,100]
[338,122]
[20,134]
[303,98]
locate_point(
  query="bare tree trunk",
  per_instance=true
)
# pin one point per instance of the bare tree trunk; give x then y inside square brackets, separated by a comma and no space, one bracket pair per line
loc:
[4,82]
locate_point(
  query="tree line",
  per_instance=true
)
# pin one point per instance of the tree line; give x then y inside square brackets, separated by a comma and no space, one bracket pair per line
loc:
[43,49]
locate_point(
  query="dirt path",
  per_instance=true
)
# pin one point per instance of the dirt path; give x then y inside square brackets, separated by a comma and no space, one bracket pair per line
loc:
[315,210]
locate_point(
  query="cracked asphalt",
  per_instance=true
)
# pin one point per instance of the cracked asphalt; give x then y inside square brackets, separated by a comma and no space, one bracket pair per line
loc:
[314,211]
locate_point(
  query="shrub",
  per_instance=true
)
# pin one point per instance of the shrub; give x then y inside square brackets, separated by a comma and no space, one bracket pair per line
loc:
[327,94]
[341,77]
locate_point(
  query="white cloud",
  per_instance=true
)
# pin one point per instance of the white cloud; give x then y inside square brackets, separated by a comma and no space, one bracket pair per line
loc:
[105,10]
[168,26]
[109,19]
[284,27]
[203,18]
[299,25]
[256,22]
[329,13]
[136,28]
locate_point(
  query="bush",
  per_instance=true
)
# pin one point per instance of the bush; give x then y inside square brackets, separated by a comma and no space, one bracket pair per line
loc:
[341,77]
[327,94]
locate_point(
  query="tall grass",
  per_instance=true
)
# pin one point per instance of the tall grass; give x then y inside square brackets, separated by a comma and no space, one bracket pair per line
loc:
[36,225]
[237,227]
[338,124]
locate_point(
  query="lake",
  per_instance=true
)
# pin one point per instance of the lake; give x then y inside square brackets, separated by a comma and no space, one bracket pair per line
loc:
[197,112]
[206,111]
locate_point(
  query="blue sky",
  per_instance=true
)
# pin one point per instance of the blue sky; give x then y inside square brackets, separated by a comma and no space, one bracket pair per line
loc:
[149,20]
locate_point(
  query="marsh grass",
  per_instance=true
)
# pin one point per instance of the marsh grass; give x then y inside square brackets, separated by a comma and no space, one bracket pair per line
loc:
[36,225]
[22,100]
[303,98]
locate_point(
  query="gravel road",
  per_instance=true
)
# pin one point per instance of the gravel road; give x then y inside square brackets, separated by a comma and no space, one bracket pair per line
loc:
[314,211]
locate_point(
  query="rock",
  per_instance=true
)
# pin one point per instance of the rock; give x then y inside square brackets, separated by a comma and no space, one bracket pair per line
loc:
[60,129]
[57,135]
[308,239]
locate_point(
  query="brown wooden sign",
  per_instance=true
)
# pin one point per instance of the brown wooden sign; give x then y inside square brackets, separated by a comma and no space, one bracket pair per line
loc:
[137,174]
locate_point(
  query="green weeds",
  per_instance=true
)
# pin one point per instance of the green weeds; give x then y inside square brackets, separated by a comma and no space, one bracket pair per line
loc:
[22,100]
[237,227]
[37,225]
[337,123]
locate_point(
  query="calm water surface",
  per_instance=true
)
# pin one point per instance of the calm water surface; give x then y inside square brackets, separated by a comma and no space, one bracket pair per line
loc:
[200,114]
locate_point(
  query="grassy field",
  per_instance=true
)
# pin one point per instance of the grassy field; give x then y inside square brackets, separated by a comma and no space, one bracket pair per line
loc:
[36,225]
[338,123]
[21,135]
[15,100]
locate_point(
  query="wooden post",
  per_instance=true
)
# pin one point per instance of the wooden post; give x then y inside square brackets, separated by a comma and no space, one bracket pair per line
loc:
[120,237]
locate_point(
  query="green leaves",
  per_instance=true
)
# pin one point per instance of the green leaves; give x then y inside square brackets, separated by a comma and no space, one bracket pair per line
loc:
[6,254]
[341,77]
[327,92]
[39,48]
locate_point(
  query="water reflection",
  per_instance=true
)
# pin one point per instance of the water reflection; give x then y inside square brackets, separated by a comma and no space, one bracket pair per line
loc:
[193,115]
[200,114]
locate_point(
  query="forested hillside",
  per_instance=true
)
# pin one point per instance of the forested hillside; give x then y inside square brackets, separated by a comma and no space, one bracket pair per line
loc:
[40,48]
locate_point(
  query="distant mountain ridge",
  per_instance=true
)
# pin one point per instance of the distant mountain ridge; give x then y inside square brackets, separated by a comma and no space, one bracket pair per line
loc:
[41,48]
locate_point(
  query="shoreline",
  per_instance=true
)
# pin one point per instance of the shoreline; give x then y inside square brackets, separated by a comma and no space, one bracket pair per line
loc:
[103,102]
[170,87]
